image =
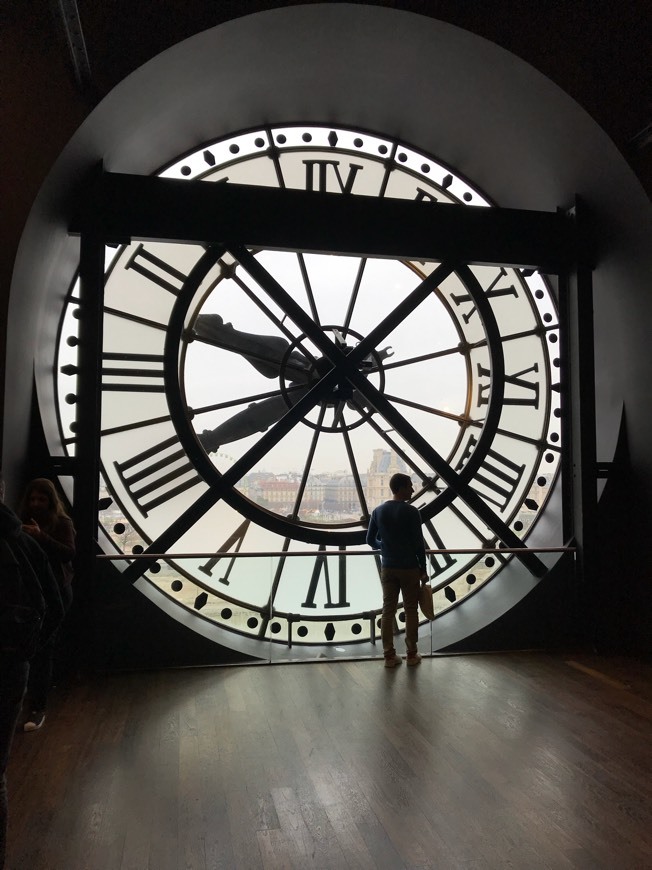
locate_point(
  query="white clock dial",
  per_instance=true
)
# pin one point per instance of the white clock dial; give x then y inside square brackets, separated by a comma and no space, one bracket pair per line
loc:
[199,372]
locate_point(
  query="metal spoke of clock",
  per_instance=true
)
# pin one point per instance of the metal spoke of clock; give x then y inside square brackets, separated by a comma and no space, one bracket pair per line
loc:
[400,313]
[338,417]
[397,421]
[457,418]
[464,348]
[389,167]
[537,331]
[354,292]
[125,427]
[356,474]
[427,357]
[285,301]
[526,439]
[308,464]
[134,318]
[245,400]
[273,152]
[139,424]
[399,424]
[308,287]
[256,299]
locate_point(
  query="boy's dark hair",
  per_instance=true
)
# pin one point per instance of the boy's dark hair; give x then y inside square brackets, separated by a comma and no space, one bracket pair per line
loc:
[398,481]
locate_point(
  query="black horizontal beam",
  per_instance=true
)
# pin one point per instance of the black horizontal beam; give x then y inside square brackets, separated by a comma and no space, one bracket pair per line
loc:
[125,207]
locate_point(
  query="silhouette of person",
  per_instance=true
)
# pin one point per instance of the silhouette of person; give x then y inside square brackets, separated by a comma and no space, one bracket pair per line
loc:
[395,529]
[45,520]
[30,611]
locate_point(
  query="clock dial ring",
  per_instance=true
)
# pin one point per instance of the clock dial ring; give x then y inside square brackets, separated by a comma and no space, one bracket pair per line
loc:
[343,367]
[335,534]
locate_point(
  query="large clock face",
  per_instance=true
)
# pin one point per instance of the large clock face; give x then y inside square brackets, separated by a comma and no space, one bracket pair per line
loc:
[256,403]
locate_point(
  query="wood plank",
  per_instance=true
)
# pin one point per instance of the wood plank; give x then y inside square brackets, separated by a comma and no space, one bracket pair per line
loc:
[519,759]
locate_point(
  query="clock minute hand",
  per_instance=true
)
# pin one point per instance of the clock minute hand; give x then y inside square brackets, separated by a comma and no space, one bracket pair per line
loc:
[268,354]
[258,417]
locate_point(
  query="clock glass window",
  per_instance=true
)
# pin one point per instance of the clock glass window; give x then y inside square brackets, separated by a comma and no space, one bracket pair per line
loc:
[224,430]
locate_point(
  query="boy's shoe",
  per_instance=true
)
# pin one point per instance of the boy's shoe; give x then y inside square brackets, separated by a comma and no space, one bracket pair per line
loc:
[393,661]
[34,721]
[414,659]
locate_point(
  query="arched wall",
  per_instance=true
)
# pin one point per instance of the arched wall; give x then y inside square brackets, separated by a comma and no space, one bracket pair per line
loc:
[454,94]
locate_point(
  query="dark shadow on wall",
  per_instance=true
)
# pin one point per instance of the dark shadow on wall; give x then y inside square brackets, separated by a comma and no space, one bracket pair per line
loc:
[127,631]
[622,596]
[550,617]
[608,613]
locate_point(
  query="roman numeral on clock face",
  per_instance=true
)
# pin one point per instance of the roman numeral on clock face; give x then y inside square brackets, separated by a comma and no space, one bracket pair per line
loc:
[150,477]
[498,477]
[132,372]
[320,568]
[156,270]
[234,542]
[318,173]
[523,391]
[492,292]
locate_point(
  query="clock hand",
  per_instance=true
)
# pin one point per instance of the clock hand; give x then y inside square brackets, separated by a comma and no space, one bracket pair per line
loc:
[269,356]
[258,417]
[266,353]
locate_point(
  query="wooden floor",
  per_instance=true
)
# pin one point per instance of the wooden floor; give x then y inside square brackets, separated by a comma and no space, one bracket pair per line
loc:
[519,760]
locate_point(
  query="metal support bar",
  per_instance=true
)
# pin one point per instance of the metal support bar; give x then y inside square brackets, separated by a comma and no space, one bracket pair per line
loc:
[576,305]
[281,554]
[147,207]
[87,460]
[71,23]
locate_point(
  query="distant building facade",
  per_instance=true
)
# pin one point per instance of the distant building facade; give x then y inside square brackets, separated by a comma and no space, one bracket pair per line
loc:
[332,495]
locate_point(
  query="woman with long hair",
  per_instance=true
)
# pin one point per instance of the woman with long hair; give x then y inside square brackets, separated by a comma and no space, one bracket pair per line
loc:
[45,519]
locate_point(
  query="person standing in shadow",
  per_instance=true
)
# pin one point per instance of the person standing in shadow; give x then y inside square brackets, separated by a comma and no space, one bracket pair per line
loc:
[395,529]
[30,612]
[45,520]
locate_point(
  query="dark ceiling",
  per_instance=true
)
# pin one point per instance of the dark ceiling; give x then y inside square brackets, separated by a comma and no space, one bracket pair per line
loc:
[58,58]
[599,52]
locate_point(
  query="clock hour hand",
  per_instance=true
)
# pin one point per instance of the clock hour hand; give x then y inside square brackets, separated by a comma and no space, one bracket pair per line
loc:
[258,417]
[268,354]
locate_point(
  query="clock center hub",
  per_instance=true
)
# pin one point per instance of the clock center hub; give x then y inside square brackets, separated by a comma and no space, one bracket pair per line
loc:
[344,407]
